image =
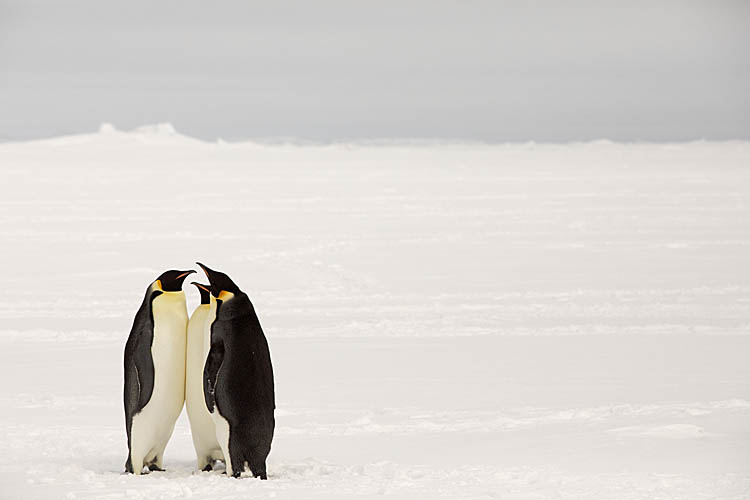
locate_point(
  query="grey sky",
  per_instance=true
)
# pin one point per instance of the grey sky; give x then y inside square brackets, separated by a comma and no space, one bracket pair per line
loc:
[492,71]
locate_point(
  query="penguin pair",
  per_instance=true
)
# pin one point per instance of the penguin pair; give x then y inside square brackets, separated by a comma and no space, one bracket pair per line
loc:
[218,361]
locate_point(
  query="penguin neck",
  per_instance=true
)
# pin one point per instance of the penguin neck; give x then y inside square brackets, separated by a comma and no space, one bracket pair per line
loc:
[204,313]
[175,298]
[169,311]
[201,309]
[169,304]
[238,305]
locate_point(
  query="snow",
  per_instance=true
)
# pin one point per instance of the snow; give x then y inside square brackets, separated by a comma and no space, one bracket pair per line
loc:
[517,321]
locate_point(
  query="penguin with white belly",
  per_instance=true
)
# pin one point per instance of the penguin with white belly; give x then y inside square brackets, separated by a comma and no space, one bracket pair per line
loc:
[154,390]
[202,426]
[238,379]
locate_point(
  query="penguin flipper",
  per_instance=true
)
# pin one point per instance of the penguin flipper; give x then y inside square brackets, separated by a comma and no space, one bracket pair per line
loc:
[210,372]
[144,365]
[139,365]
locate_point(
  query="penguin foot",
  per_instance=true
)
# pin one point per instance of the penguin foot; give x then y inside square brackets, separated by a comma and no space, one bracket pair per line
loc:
[155,468]
[259,471]
[208,468]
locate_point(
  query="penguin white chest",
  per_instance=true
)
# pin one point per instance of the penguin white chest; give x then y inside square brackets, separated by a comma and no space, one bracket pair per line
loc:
[168,353]
[202,426]
[153,425]
[196,360]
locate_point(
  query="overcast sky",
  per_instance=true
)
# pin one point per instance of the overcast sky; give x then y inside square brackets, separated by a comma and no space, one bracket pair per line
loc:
[491,71]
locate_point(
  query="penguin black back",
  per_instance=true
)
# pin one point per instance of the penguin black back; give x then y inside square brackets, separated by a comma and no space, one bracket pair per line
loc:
[139,366]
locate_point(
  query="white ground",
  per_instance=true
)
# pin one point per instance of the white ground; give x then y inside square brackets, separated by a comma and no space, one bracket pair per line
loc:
[514,322]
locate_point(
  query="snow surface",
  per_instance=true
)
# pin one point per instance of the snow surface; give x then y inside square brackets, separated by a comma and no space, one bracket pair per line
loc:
[446,320]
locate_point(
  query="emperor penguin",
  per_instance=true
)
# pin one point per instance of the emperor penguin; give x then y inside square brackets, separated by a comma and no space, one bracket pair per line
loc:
[155,371]
[202,427]
[238,379]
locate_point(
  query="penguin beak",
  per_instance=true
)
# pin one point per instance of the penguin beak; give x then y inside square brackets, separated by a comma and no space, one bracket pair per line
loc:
[200,286]
[183,275]
[211,275]
[171,281]
[179,279]
[205,270]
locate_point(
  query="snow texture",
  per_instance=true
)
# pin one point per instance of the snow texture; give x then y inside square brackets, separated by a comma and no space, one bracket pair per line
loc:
[446,320]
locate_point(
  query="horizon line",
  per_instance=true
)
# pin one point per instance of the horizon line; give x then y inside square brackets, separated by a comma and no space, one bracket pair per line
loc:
[167,130]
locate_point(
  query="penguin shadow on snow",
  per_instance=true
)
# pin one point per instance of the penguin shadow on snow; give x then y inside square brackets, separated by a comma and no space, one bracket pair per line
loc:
[179,468]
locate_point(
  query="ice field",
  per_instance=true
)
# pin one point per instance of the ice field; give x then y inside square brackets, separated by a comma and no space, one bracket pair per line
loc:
[445,320]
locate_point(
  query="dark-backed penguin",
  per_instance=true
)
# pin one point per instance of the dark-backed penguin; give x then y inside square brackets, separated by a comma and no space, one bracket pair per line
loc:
[155,371]
[238,379]
[202,426]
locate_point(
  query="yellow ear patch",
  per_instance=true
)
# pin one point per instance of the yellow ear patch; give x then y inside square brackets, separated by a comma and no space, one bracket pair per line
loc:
[157,285]
[224,295]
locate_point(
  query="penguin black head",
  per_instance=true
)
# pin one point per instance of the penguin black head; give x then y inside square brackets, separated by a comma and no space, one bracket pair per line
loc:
[171,281]
[220,282]
[205,291]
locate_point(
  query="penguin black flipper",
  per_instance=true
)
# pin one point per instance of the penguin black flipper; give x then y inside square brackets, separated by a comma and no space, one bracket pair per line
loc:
[139,365]
[211,371]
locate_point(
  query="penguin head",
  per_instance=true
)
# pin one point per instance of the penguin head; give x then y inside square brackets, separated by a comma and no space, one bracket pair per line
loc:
[171,281]
[205,291]
[222,286]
